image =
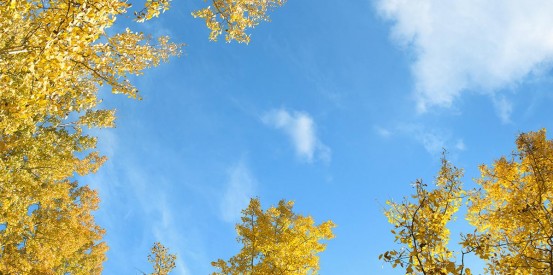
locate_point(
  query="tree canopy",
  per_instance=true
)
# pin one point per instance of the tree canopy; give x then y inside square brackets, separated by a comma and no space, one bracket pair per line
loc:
[162,261]
[511,214]
[421,226]
[55,55]
[276,241]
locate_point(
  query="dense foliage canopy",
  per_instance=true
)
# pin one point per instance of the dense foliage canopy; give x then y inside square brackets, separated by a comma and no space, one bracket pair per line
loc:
[276,241]
[511,213]
[55,55]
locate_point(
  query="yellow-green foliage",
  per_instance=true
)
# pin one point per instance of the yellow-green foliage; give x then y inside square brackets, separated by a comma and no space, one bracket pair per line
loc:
[233,17]
[54,56]
[276,241]
[511,212]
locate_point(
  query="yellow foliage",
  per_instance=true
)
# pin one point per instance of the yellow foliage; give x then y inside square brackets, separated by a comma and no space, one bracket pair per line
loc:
[276,241]
[153,8]
[48,225]
[54,56]
[233,17]
[512,212]
[163,262]
[420,226]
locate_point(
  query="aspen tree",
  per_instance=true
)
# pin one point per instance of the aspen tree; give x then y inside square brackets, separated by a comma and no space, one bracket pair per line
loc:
[276,241]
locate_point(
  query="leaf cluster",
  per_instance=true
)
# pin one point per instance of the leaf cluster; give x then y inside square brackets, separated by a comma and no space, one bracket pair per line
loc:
[421,225]
[163,261]
[276,241]
[55,55]
[511,213]
[234,17]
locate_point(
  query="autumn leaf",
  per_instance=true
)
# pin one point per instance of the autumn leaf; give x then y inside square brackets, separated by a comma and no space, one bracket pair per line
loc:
[512,212]
[420,225]
[233,18]
[276,241]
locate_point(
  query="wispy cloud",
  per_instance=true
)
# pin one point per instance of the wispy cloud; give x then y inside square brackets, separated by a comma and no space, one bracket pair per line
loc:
[431,139]
[133,197]
[240,188]
[165,232]
[301,129]
[503,108]
[460,145]
[471,45]
[383,132]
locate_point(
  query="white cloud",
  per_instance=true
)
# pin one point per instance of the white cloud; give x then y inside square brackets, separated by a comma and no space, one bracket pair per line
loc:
[240,188]
[165,232]
[471,44]
[503,108]
[300,127]
[433,143]
[128,195]
[433,140]
[383,132]
[460,145]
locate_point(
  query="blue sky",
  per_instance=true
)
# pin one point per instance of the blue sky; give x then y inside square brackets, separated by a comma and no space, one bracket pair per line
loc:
[337,106]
